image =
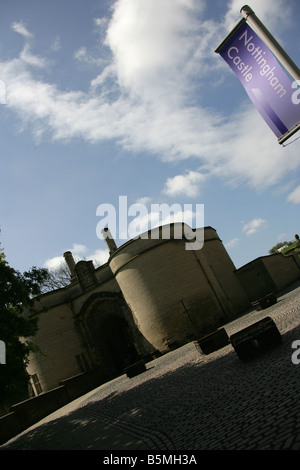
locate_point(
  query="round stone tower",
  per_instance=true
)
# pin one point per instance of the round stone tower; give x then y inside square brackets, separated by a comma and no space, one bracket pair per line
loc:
[172,291]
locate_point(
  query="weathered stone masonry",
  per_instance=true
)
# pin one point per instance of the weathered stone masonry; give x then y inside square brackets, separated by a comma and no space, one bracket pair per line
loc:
[151,296]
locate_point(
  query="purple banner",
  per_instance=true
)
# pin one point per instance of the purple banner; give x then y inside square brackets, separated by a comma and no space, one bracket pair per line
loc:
[266,82]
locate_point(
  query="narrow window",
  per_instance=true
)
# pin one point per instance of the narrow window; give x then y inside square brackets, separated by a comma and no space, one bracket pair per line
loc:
[36,384]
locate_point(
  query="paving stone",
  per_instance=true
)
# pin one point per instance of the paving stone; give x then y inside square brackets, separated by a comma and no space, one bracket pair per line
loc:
[184,401]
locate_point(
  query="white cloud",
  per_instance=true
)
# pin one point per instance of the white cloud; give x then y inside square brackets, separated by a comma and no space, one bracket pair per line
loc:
[144,36]
[79,252]
[30,59]
[188,185]
[101,22]
[56,45]
[159,52]
[54,263]
[232,243]
[251,227]
[2,92]
[251,153]
[282,236]
[20,28]
[144,200]
[82,55]
[99,257]
[272,13]
[294,196]
[26,57]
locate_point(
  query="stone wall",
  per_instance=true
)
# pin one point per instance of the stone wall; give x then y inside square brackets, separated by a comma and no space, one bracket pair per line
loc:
[175,293]
[25,414]
[63,348]
[59,343]
[255,279]
[166,291]
[267,274]
[224,271]
[284,270]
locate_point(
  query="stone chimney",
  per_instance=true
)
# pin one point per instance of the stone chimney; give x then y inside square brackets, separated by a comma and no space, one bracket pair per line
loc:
[70,263]
[110,242]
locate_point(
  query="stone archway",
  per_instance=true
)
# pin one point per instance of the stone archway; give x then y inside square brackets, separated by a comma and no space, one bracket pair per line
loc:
[108,333]
[116,343]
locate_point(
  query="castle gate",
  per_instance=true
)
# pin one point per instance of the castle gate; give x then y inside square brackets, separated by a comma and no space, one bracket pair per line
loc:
[107,332]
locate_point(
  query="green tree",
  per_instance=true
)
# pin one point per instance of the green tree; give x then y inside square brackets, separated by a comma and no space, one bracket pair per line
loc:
[279,245]
[18,292]
[56,279]
[60,277]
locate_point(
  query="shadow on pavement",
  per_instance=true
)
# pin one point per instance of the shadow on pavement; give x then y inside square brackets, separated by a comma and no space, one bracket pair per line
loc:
[218,402]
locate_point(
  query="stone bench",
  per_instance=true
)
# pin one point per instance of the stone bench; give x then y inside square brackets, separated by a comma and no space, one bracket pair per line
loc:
[265,302]
[212,342]
[256,339]
[135,369]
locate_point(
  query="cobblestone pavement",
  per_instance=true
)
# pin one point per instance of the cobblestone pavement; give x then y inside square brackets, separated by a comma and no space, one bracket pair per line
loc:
[189,401]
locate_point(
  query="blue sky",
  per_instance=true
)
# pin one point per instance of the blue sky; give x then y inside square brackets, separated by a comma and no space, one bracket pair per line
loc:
[127,98]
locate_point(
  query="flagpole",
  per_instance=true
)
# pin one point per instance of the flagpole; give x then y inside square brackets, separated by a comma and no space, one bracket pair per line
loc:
[271,42]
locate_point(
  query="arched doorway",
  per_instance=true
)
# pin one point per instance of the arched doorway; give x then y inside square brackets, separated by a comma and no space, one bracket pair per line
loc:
[108,333]
[116,343]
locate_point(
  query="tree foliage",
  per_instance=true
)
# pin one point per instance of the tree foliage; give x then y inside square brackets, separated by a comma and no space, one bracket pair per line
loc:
[18,292]
[57,278]
[275,248]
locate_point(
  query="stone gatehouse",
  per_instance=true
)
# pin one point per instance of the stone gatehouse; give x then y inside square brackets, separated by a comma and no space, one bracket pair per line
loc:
[151,296]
